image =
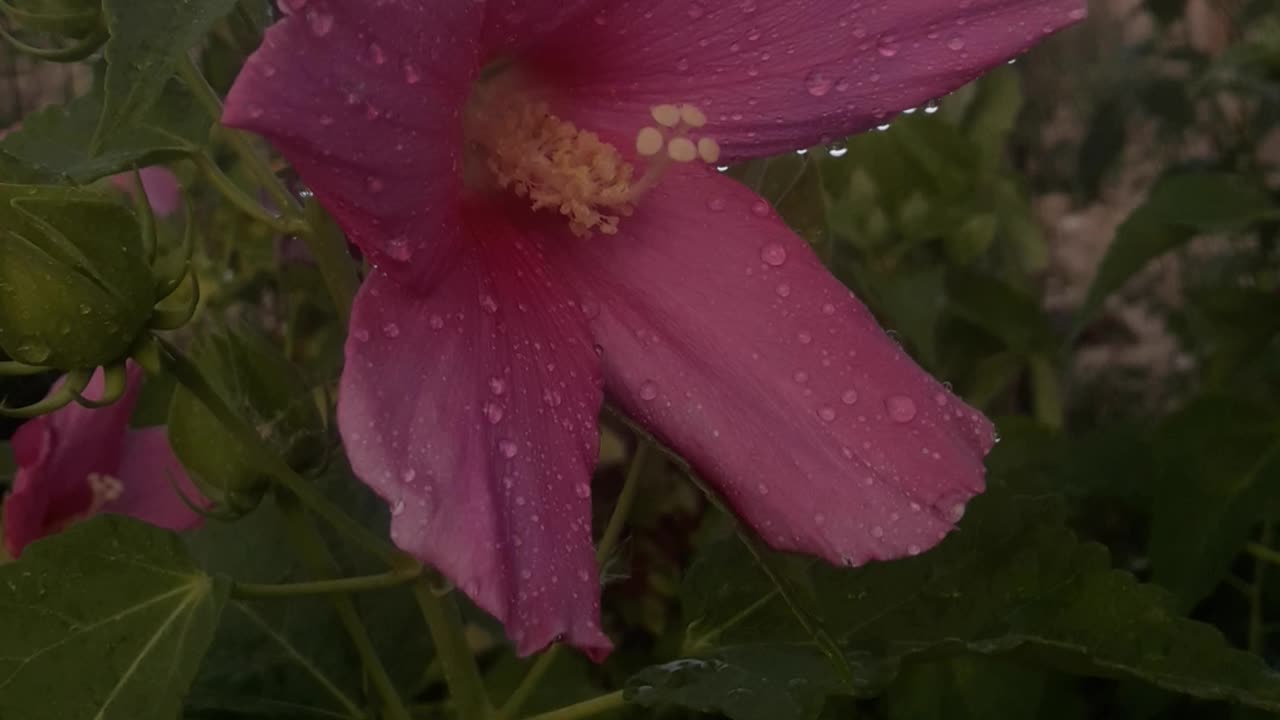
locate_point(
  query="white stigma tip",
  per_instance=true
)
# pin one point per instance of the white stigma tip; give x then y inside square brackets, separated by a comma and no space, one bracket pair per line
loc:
[708,150]
[682,149]
[692,116]
[666,115]
[649,142]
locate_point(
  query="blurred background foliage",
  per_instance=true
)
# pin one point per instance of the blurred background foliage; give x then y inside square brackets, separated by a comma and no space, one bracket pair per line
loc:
[1085,244]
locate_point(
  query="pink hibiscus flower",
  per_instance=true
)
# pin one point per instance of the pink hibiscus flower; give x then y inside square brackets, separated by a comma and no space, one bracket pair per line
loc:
[76,462]
[531,182]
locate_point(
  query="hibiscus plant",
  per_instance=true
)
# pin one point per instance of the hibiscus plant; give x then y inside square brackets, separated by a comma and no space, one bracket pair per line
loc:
[495,359]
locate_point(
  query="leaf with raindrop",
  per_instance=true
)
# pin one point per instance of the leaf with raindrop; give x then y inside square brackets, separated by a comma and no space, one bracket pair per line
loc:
[106,621]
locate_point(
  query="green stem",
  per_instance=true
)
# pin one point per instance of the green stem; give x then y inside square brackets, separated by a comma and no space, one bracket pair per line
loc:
[445,623]
[325,242]
[622,511]
[239,142]
[245,204]
[613,531]
[586,709]
[316,556]
[363,583]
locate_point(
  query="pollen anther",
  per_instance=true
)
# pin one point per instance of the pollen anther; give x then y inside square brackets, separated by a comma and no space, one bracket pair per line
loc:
[650,141]
[667,115]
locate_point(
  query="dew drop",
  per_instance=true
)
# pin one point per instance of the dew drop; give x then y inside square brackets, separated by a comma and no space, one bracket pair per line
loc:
[436,322]
[760,208]
[391,330]
[493,412]
[818,83]
[582,490]
[398,507]
[850,397]
[716,204]
[783,290]
[887,46]
[828,414]
[877,532]
[901,408]
[320,23]
[773,254]
[649,390]
[508,448]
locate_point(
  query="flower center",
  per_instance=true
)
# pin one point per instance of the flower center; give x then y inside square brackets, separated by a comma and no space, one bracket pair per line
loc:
[557,166]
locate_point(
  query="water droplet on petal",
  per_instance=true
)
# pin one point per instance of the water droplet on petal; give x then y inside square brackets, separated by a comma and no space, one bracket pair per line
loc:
[773,254]
[649,390]
[818,83]
[320,23]
[582,490]
[827,414]
[493,412]
[391,330]
[760,208]
[783,290]
[850,397]
[508,448]
[901,408]
[497,385]
[436,322]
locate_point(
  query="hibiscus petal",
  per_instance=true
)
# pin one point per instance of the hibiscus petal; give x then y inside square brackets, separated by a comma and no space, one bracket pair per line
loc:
[780,75]
[56,454]
[471,408]
[510,25]
[149,473]
[724,334]
[366,104]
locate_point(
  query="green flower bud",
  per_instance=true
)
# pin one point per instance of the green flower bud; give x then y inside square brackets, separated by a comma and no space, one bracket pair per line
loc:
[76,290]
[257,381]
[67,18]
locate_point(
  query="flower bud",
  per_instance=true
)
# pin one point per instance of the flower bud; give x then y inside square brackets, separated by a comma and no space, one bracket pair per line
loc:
[76,290]
[260,384]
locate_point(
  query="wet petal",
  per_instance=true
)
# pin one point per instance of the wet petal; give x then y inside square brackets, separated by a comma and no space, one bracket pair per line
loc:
[148,474]
[510,25]
[367,107]
[56,454]
[471,408]
[777,76]
[724,334]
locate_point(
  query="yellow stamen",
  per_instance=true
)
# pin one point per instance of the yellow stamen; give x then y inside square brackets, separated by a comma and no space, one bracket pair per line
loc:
[562,168]
[559,167]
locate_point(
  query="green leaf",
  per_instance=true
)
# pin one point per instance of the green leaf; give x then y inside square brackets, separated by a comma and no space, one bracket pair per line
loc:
[148,39]
[1013,582]
[757,682]
[53,144]
[1219,468]
[1179,207]
[106,621]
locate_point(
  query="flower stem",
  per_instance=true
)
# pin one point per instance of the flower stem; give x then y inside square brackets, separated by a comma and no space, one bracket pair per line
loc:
[586,709]
[316,557]
[324,241]
[245,204]
[613,531]
[621,511]
[239,142]
[466,688]
[363,583]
